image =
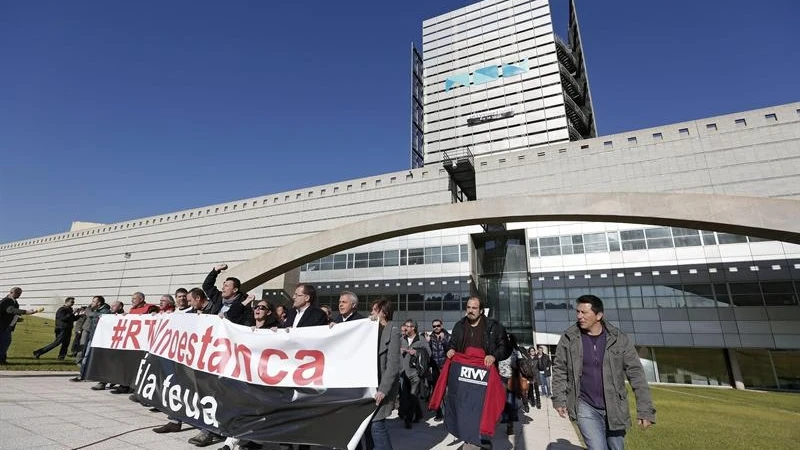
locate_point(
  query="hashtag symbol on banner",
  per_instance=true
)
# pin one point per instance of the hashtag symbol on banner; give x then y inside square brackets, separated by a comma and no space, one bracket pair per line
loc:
[119,333]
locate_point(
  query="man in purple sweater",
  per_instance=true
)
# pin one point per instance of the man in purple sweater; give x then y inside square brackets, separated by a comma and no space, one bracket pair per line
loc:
[589,369]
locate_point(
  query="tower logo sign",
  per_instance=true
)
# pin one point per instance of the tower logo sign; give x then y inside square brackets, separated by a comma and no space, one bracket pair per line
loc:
[486,74]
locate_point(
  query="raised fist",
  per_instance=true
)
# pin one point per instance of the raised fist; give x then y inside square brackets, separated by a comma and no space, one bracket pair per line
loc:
[220,267]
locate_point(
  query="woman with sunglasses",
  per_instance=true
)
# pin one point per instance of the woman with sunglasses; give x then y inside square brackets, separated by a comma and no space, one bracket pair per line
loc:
[264,315]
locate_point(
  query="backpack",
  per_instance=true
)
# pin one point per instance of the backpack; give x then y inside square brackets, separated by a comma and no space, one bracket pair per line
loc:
[527,367]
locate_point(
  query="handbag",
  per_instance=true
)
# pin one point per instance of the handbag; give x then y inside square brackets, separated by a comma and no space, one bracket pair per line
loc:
[522,384]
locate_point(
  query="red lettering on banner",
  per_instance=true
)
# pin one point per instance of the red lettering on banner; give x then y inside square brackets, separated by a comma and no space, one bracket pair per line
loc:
[192,342]
[242,355]
[263,364]
[206,339]
[316,365]
[163,344]
[134,327]
[222,354]
[182,347]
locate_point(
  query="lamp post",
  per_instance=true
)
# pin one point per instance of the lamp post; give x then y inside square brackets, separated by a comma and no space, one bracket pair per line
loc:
[126,256]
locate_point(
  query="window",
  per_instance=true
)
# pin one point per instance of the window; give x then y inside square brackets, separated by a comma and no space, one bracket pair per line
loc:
[740,122]
[633,240]
[534,247]
[549,246]
[613,241]
[686,237]
[464,253]
[608,144]
[361,260]
[584,147]
[595,243]
[683,131]
[658,238]
[363,184]
[433,255]
[326,263]
[771,117]
[658,136]
[727,238]
[390,258]
[632,140]
[416,256]
[711,126]
[340,262]
[572,245]
[450,253]
[376,259]
[537,154]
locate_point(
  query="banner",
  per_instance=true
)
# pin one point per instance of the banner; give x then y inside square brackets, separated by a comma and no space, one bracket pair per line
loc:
[259,385]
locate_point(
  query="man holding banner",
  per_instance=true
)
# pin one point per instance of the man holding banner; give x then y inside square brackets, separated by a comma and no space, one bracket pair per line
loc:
[257,385]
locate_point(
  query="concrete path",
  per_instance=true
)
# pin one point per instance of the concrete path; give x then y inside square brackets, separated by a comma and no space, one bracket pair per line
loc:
[47,411]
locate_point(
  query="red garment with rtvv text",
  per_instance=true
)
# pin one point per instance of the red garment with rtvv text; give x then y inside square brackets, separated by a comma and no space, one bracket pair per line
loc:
[474,398]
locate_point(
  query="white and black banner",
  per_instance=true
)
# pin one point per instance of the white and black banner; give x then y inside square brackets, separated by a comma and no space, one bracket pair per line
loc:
[259,385]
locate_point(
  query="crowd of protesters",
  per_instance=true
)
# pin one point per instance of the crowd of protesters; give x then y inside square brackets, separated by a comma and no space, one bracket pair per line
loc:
[410,362]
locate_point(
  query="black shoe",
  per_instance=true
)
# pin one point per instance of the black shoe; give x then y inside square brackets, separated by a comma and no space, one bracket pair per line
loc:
[154,410]
[225,447]
[61,357]
[169,427]
[76,379]
[36,354]
[205,439]
[121,390]
[98,387]
[538,406]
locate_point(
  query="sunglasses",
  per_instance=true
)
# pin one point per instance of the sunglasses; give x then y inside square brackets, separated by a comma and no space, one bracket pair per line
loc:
[261,308]
[437,326]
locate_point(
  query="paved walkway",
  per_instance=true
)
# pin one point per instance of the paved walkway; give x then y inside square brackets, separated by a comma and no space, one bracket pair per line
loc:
[46,411]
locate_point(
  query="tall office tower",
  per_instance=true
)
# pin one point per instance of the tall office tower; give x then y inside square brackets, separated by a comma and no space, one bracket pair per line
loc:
[494,77]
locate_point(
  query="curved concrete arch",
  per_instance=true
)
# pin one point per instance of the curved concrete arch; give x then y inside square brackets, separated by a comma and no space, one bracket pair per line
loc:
[777,219]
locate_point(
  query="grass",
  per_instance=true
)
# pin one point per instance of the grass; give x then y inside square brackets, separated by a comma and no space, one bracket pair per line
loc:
[30,334]
[719,419]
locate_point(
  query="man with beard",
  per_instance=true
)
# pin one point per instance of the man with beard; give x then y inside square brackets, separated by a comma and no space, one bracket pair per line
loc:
[439,342]
[592,360]
[477,331]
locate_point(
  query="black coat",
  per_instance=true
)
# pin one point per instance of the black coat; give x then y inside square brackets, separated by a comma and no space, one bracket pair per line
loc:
[354,316]
[239,313]
[495,339]
[65,318]
[312,317]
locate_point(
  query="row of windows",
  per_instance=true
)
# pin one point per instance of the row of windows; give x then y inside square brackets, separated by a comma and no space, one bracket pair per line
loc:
[643,239]
[390,258]
[439,301]
[739,123]
[701,295]
[208,211]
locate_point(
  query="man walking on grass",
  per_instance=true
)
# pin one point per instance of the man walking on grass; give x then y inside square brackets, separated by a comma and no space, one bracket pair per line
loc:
[592,360]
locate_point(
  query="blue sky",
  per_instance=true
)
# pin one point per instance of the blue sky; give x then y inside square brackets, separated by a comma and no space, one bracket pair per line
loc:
[116,110]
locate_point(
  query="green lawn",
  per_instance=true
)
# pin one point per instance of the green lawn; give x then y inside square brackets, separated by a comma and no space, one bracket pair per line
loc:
[32,333]
[724,419]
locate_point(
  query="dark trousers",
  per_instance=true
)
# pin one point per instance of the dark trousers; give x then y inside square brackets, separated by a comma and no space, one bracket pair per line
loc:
[5,342]
[76,343]
[410,408]
[63,336]
[533,394]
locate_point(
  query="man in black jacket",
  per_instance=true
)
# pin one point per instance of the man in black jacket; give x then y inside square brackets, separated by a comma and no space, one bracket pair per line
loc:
[231,300]
[477,330]
[65,318]
[9,312]
[348,302]
[304,311]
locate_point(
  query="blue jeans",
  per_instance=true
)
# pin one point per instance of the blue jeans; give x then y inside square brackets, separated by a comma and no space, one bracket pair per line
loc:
[594,429]
[544,382]
[380,435]
[5,342]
